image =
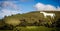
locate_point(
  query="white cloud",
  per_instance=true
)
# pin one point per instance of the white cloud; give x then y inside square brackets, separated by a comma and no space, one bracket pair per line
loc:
[13,9]
[43,7]
[58,8]
[6,12]
[7,4]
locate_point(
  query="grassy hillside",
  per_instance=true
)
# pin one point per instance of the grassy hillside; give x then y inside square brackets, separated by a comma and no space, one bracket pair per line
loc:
[32,16]
[34,20]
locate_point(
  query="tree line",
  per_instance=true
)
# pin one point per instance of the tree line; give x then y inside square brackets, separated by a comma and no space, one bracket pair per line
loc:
[24,23]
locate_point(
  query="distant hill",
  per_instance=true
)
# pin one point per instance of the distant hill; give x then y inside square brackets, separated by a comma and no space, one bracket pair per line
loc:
[32,16]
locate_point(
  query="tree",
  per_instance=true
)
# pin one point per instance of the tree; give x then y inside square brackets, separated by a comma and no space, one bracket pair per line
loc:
[23,22]
[58,23]
[12,22]
[36,23]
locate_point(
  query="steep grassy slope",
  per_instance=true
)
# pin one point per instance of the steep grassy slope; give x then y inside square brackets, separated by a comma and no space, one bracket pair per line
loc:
[32,17]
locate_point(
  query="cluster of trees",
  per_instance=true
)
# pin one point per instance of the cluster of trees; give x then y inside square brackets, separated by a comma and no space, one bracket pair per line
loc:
[24,23]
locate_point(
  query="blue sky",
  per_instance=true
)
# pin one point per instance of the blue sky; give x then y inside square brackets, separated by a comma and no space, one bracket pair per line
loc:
[9,7]
[52,2]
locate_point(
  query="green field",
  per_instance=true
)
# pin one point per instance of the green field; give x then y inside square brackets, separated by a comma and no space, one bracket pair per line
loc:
[32,28]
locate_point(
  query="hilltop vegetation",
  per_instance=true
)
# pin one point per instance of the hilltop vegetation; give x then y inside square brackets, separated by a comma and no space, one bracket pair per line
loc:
[34,18]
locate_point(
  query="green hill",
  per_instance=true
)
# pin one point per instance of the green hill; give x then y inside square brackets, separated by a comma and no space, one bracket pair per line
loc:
[32,17]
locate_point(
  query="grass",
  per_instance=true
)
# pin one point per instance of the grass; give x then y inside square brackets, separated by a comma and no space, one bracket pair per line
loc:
[34,28]
[6,30]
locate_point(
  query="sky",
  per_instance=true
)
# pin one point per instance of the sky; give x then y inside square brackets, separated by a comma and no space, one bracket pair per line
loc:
[9,7]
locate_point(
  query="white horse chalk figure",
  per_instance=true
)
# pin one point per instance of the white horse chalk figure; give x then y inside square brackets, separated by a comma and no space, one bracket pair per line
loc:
[52,15]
